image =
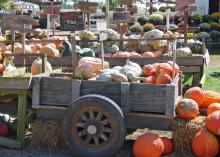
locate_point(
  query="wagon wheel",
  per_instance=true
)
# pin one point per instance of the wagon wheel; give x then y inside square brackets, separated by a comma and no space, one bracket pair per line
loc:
[93,126]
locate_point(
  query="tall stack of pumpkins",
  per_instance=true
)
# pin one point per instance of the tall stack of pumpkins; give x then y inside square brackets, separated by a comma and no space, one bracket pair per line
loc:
[205,142]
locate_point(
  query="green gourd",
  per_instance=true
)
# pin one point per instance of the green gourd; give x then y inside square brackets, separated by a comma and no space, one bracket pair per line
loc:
[67,49]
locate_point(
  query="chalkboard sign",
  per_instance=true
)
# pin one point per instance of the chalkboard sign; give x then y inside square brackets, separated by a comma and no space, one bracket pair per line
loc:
[121,16]
[71,21]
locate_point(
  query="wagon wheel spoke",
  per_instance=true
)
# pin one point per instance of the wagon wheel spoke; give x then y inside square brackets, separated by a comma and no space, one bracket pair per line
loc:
[99,116]
[96,139]
[91,115]
[80,125]
[84,118]
[88,139]
[104,122]
[107,130]
[82,133]
[102,136]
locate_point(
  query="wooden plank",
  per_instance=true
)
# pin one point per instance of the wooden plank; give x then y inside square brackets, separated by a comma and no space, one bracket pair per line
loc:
[170,100]
[125,96]
[196,79]
[10,143]
[151,121]
[36,91]
[190,69]
[14,83]
[56,91]
[76,86]
[21,117]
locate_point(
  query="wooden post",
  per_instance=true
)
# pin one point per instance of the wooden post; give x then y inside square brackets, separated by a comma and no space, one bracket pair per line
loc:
[174,57]
[21,117]
[13,40]
[107,12]
[185,27]
[168,19]
[102,54]
[48,26]
[74,53]
[23,46]
[88,20]
[151,7]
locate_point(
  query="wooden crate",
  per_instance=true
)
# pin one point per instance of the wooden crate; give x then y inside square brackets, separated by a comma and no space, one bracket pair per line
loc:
[131,97]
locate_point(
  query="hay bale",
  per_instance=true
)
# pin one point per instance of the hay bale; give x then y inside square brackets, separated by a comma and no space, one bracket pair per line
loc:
[184,132]
[47,134]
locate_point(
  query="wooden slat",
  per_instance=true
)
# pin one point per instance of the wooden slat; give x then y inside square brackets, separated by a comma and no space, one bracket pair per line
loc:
[14,83]
[76,86]
[151,121]
[10,143]
[36,91]
[125,96]
[190,69]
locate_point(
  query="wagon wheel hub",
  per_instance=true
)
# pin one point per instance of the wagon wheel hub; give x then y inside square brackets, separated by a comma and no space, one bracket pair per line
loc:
[93,128]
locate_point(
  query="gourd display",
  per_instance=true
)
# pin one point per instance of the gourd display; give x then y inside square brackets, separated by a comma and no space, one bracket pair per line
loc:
[36,67]
[183,52]
[187,109]
[84,71]
[213,107]
[18,49]
[150,80]
[210,98]
[196,94]
[168,145]
[50,51]
[213,122]
[205,144]
[164,68]
[163,78]
[148,54]
[67,51]
[148,145]
[149,70]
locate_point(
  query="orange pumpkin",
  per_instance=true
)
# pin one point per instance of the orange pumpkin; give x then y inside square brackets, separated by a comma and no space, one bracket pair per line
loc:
[187,109]
[155,65]
[158,54]
[164,68]
[205,144]
[213,122]
[122,54]
[210,97]
[196,94]
[163,78]
[213,107]
[135,55]
[148,70]
[2,68]
[148,55]
[150,80]
[168,145]
[148,145]
[176,67]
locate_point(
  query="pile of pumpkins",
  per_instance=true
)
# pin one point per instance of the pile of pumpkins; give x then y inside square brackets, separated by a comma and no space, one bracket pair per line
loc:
[148,54]
[90,68]
[205,142]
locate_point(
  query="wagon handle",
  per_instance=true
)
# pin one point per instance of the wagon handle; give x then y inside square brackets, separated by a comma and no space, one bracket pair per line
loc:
[174,57]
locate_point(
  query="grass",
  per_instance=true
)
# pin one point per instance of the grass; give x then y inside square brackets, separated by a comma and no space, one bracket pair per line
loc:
[213,74]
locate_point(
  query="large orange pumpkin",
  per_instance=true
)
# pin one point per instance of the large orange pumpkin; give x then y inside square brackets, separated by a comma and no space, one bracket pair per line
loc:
[205,144]
[135,55]
[213,107]
[196,94]
[164,68]
[148,55]
[213,122]
[210,97]
[187,109]
[121,54]
[168,145]
[176,67]
[148,70]
[163,78]
[148,145]
[150,80]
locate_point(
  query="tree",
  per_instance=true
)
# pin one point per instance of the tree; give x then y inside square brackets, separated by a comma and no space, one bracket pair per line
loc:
[5,4]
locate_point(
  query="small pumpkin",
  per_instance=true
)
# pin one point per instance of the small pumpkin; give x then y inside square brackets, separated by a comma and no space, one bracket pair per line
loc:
[187,109]
[50,51]
[121,54]
[213,107]
[196,94]
[3,130]
[84,71]
[210,97]
[213,122]
[148,55]
[163,78]
[176,67]
[2,68]
[148,70]
[135,55]
[158,54]
[164,68]
[148,145]
[150,80]
[205,144]
[168,145]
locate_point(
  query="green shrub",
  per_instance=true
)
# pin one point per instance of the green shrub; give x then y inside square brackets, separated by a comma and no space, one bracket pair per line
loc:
[207,18]
[204,27]
[215,35]
[148,27]
[203,35]
[156,19]
[136,29]
[197,18]
[215,26]
[154,9]
[142,20]
[196,48]
[216,16]
[104,8]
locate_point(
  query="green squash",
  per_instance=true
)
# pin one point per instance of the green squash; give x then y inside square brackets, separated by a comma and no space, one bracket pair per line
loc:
[86,52]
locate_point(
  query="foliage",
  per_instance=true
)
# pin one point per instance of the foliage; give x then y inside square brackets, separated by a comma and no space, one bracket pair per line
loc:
[154,9]
[215,26]
[215,35]
[4,4]
[136,29]
[196,48]
[164,8]
[204,27]
[216,16]
[197,18]
[207,18]
[112,4]
[148,27]
[204,35]
[177,19]
[142,20]
[156,19]
[104,8]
